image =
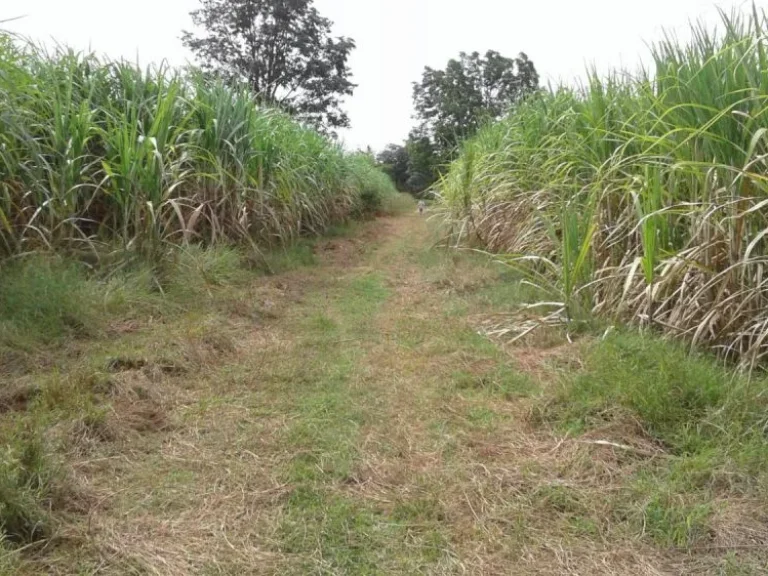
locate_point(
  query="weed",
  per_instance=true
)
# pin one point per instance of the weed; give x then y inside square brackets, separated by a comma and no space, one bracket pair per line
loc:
[197,270]
[296,256]
[686,401]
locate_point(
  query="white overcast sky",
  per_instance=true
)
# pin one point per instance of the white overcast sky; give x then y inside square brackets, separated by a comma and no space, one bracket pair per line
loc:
[395,39]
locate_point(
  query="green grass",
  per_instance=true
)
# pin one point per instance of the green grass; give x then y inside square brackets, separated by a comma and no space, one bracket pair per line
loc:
[349,538]
[48,300]
[29,481]
[685,401]
[706,420]
[363,296]
[49,297]
[505,382]
[670,515]
[196,269]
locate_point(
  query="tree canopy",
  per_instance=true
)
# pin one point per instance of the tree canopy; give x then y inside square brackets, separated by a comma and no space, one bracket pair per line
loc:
[394,161]
[412,166]
[452,104]
[283,49]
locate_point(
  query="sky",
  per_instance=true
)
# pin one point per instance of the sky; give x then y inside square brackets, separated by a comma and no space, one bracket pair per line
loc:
[395,39]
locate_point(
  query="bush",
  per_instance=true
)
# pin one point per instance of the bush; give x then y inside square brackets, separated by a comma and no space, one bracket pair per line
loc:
[374,185]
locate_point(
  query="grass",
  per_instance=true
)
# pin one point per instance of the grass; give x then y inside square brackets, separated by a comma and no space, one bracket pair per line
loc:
[349,413]
[636,197]
[701,419]
[56,403]
[684,400]
[49,297]
[27,486]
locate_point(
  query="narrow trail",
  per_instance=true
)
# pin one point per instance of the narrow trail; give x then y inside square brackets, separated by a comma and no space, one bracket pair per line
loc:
[360,425]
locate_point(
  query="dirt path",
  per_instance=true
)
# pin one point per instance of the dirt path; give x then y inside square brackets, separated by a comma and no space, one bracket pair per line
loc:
[357,424]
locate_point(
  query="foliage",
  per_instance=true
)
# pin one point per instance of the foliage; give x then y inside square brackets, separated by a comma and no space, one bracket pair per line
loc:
[282,49]
[452,104]
[374,185]
[95,153]
[423,162]
[394,161]
[639,198]
[413,167]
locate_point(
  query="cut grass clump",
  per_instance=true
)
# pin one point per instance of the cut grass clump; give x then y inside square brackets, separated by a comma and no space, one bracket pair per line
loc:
[27,488]
[49,298]
[686,401]
[195,271]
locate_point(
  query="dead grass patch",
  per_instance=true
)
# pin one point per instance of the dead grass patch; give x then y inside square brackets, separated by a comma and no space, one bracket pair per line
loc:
[542,361]
[739,524]
[16,395]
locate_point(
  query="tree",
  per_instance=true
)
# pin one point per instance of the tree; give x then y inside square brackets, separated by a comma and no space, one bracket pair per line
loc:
[423,162]
[283,49]
[413,166]
[394,162]
[452,104]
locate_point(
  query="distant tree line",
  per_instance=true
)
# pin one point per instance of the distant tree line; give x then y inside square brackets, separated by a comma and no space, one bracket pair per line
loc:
[285,52]
[451,105]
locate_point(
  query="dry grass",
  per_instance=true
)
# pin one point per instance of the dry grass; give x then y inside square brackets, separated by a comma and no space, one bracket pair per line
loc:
[347,418]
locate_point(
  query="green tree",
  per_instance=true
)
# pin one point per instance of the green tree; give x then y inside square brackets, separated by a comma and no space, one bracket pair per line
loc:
[423,162]
[413,167]
[283,49]
[394,161]
[452,104]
